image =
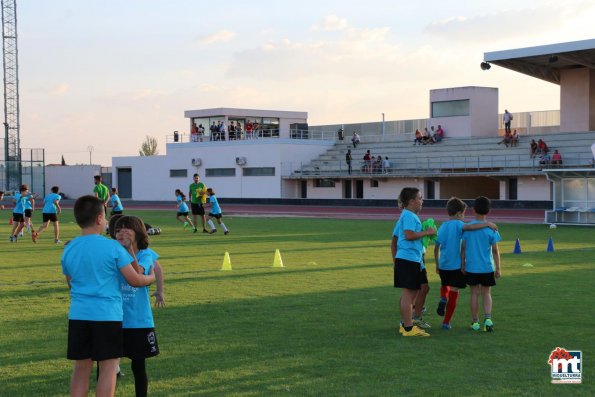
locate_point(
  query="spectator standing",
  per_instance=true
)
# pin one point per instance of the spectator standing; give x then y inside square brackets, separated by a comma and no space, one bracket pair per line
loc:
[367,162]
[249,129]
[385,165]
[542,147]
[194,133]
[355,139]
[515,139]
[507,118]
[348,160]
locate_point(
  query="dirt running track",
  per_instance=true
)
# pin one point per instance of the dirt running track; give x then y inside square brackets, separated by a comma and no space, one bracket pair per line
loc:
[382,213]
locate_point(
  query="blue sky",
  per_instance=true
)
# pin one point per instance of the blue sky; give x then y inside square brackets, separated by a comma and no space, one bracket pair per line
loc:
[106,74]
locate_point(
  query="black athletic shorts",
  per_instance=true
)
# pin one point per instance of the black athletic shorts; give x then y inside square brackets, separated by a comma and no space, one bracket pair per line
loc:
[453,278]
[97,340]
[183,213]
[140,343]
[18,217]
[485,279]
[216,216]
[28,213]
[407,274]
[424,276]
[197,209]
[49,217]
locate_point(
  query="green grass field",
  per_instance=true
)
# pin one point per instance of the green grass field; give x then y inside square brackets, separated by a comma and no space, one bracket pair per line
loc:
[322,326]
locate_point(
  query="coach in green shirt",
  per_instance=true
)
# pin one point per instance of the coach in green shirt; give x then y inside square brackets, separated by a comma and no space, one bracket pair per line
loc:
[101,191]
[197,193]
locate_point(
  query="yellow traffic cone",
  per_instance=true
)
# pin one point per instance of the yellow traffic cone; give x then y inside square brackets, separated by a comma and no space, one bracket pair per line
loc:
[226,262]
[277,262]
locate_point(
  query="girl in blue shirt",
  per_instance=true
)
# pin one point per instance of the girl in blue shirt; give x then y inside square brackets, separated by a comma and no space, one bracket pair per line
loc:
[182,214]
[407,251]
[117,207]
[140,340]
[215,212]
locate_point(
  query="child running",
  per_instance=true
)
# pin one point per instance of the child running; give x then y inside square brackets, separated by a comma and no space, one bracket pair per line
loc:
[182,214]
[215,212]
[18,213]
[140,341]
[407,250]
[115,202]
[480,262]
[447,253]
[51,209]
[93,266]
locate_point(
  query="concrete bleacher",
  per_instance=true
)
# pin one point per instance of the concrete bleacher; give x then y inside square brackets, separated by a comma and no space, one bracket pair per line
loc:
[474,155]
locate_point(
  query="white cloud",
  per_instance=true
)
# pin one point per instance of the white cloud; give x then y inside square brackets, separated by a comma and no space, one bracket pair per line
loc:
[217,37]
[331,23]
[60,89]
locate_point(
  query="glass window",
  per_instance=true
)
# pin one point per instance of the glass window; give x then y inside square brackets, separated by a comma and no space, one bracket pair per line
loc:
[324,183]
[259,171]
[450,108]
[220,172]
[178,173]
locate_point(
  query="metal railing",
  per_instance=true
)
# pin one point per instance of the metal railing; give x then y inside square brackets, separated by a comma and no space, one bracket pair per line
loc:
[491,164]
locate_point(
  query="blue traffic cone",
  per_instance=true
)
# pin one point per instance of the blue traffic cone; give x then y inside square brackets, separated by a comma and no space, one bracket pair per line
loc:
[517,247]
[550,245]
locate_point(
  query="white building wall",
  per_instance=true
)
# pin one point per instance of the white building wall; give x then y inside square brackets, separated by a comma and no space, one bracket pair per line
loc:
[151,175]
[483,111]
[533,188]
[73,180]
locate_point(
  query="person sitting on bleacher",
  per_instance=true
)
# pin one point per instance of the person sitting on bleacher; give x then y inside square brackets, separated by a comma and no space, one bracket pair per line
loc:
[515,139]
[507,140]
[542,147]
[533,148]
[418,138]
[427,138]
[355,139]
[439,135]
[556,158]
[545,159]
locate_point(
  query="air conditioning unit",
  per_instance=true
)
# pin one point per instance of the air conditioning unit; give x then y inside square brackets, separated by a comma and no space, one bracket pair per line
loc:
[196,162]
[241,160]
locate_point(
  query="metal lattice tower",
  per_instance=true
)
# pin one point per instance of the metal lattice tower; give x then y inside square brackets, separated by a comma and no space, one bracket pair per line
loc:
[12,143]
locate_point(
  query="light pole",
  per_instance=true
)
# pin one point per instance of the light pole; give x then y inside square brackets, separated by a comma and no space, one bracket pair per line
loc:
[383,126]
[90,149]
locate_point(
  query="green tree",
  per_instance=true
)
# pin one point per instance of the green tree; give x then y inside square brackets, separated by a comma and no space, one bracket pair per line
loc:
[149,147]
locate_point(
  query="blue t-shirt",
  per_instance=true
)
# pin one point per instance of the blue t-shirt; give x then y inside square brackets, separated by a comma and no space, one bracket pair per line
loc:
[408,250]
[449,242]
[93,262]
[478,249]
[182,204]
[215,208]
[48,203]
[116,203]
[136,300]
[27,201]
[18,206]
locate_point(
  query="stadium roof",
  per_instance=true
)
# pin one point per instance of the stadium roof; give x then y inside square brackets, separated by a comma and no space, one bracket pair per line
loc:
[545,62]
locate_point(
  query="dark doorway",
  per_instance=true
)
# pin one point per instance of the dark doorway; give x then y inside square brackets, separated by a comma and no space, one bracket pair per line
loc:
[430,193]
[125,182]
[347,188]
[512,188]
[359,189]
[304,189]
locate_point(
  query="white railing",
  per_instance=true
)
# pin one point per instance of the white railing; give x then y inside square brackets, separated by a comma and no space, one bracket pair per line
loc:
[505,164]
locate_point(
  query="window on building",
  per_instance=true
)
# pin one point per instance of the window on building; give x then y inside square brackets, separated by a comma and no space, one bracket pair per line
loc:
[178,173]
[259,171]
[324,183]
[450,108]
[373,182]
[220,172]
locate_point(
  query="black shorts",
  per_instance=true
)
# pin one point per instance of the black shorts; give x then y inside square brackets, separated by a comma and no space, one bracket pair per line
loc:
[112,213]
[216,216]
[97,340]
[424,276]
[197,209]
[407,274]
[182,213]
[484,279]
[140,343]
[49,217]
[18,217]
[453,278]
[28,213]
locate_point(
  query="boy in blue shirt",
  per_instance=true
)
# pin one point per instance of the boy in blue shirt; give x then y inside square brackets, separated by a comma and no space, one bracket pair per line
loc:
[407,251]
[51,209]
[93,266]
[480,262]
[117,207]
[19,212]
[447,253]
[215,212]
